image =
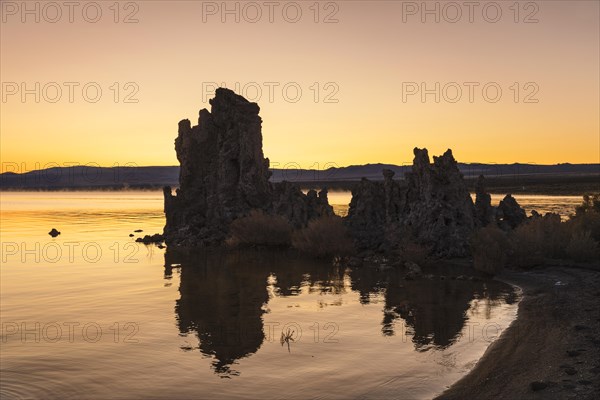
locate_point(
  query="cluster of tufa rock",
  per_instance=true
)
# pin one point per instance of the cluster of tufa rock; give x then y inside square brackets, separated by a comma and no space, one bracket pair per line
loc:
[224,175]
[432,207]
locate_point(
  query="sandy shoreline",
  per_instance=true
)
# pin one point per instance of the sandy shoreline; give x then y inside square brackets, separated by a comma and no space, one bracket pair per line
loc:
[552,349]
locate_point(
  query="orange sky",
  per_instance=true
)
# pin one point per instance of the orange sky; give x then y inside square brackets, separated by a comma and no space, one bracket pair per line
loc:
[370,57]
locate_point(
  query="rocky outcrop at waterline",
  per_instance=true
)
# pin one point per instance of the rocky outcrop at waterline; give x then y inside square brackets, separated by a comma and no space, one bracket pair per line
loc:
[432,206]
[54,232]
[224,175]
[509,213]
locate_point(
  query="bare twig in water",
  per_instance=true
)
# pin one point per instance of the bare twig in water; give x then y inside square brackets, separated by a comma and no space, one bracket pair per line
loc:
[286,337]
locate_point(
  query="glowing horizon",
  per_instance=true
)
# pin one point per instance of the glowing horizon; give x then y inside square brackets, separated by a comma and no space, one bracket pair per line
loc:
[358,78]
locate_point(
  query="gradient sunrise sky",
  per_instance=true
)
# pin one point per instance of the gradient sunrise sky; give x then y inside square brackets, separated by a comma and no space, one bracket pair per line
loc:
[365,58]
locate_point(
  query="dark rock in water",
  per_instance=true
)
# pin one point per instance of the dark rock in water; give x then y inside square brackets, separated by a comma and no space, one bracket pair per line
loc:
[538,385]
[138,231]
[573,353]
[147,239]
[224,175]
[509,214]
[433,205]
[484,210]
[54,232]
[570,371]
[413,271]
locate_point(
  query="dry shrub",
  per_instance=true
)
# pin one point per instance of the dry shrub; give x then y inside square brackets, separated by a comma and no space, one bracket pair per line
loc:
[260,229]
[591,202]
[582,247]
[586,220]
[537,239]
[490,248]
[323,237]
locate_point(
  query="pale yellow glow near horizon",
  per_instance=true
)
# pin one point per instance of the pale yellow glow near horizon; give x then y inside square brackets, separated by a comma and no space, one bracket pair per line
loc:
[368,57]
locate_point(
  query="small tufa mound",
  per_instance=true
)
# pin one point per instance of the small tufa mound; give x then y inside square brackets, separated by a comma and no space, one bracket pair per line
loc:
[156,238]
[509,214]
[54,232]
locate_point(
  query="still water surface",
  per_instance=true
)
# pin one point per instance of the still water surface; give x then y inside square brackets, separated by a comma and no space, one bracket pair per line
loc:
[562,205]
[92,314]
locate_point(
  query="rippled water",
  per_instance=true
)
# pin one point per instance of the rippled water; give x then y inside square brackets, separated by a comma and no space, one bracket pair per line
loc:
[92,314]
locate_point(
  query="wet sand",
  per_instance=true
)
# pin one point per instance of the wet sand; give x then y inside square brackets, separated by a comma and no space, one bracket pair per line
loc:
[552,349]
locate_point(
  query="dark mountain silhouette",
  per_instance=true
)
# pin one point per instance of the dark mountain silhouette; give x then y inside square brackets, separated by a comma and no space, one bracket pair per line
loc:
[154,177]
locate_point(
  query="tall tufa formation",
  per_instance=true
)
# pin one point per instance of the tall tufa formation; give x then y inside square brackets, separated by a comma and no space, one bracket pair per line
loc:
[440,208]
[224,175]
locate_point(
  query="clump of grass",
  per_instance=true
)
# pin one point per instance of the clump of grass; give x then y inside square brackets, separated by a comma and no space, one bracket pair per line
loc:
[490,248]
[324,237]
[537,239]
[260,229]
[591,202]
[547,237]
[582,247]
[587,217]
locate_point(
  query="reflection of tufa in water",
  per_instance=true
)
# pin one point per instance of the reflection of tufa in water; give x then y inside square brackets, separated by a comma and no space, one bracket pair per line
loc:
[225,294]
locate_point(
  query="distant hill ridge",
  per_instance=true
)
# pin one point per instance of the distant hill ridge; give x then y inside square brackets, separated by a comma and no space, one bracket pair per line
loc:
[158,176]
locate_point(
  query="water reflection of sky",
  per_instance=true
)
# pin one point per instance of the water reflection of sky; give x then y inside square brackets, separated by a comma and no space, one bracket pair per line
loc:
[212,323]
[234,303]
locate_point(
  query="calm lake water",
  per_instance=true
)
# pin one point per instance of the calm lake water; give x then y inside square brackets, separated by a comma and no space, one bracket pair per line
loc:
[92,314]
[563,205]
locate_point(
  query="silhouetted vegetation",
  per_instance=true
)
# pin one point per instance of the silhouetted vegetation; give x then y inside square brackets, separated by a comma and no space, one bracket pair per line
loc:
[537,239]
[490,247]
[323,237]
[541,238]
[260,229]
[582,247]
[587,217]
